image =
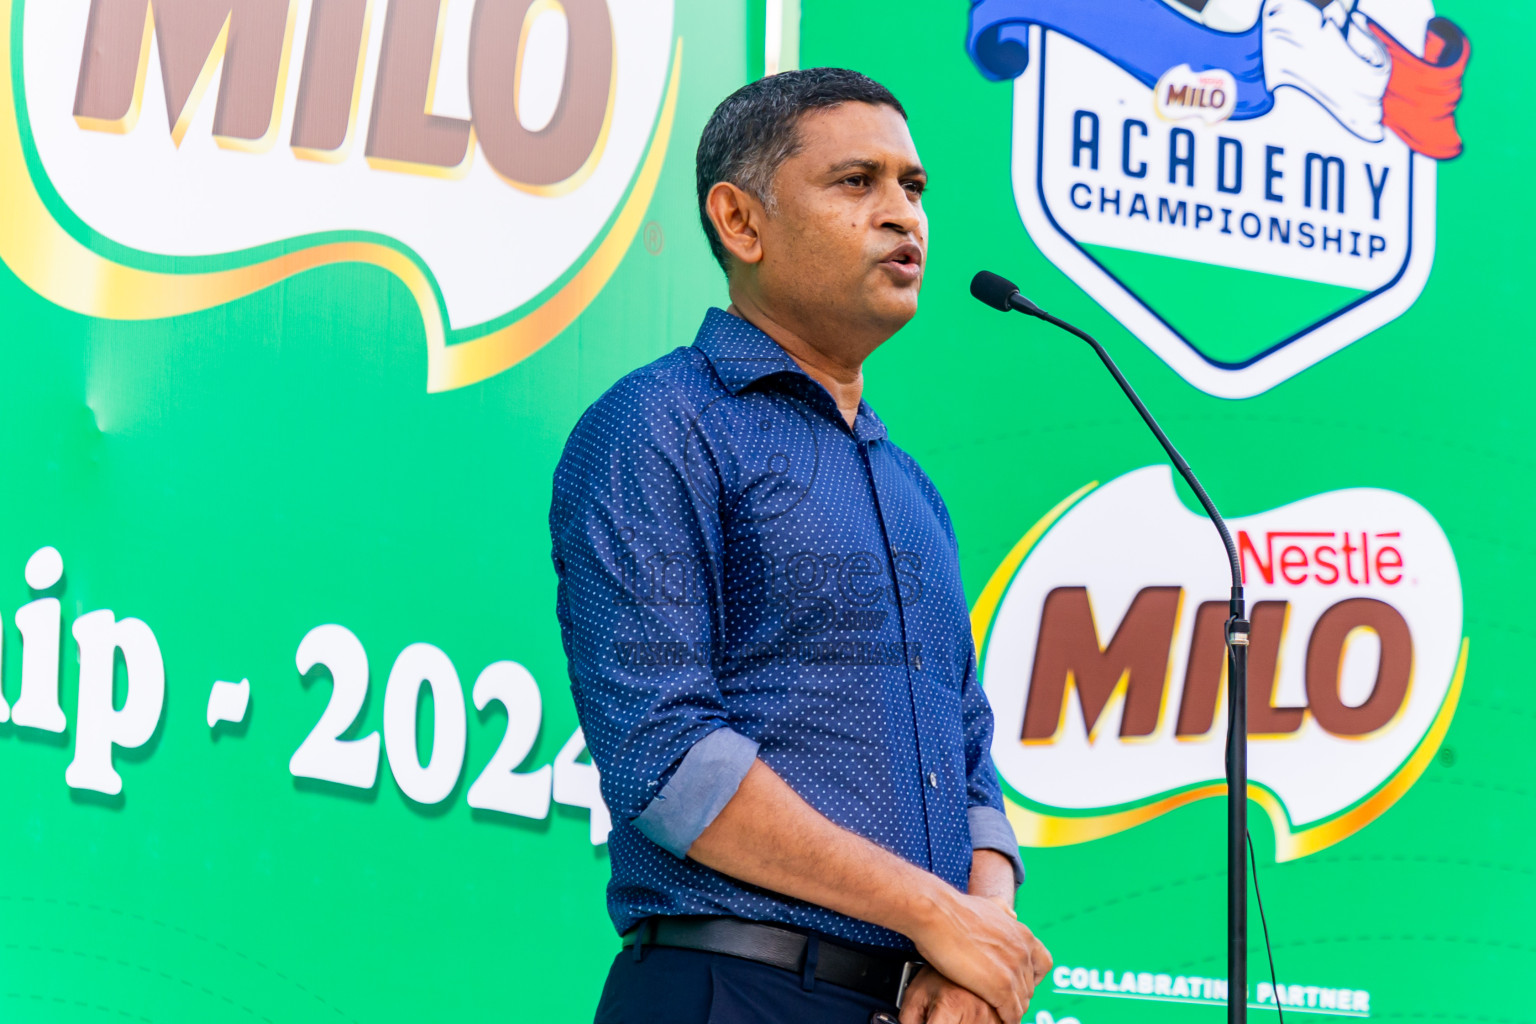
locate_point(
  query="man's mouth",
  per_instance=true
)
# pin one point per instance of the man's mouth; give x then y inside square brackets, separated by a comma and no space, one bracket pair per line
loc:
[905,261]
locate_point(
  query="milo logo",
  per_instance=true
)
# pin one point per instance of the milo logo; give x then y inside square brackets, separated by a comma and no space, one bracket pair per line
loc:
[1105,663]
[497,156]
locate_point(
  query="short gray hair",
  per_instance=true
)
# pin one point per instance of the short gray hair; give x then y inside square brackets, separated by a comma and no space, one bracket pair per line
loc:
[756,128]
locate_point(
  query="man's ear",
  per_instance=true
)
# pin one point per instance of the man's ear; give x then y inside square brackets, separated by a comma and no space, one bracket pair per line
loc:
[737,217]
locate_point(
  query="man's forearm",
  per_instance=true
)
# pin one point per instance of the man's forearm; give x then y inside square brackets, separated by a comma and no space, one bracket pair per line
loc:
[992,877]
[767,835]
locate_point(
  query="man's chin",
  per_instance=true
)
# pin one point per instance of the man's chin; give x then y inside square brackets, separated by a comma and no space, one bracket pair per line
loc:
[895,306]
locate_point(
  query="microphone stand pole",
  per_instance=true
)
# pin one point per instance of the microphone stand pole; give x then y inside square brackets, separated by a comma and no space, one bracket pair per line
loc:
[1237,628]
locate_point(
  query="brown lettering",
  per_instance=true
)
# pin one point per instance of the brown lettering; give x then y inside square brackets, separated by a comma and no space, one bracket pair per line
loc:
[1264,639]
[1325,656]
[558,153]
[1068,651]
[111,85]
[1206,671]
[331,79]
[250,38]
[402,136]
[1205,675]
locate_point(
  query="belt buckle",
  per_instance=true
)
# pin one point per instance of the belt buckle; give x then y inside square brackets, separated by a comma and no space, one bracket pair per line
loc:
[909,970]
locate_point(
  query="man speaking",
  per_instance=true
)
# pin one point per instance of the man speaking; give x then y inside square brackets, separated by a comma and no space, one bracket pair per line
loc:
[760,600]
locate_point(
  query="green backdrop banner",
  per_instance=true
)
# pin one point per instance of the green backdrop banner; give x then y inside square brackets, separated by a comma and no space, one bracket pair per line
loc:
[303,298]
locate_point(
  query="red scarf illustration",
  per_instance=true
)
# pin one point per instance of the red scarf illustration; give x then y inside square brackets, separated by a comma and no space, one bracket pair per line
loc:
[1421,98]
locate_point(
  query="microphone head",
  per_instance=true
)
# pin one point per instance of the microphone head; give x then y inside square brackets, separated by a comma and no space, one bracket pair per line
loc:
[995,291]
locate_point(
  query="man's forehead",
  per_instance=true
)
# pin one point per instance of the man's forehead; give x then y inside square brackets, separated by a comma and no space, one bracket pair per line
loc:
[857,133]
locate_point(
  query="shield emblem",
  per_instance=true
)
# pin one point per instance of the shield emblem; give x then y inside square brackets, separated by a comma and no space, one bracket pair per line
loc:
[1247,186]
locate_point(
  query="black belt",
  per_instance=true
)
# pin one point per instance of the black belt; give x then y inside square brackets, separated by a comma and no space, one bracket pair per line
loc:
[883,977]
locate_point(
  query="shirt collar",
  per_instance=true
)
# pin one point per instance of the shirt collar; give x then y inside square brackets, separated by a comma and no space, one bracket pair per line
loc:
[742,354]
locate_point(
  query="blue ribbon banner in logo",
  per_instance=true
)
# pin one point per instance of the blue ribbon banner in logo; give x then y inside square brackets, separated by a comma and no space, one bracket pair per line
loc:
[1145,37]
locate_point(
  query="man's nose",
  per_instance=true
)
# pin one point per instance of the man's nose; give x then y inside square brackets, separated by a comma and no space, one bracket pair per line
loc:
[897,211]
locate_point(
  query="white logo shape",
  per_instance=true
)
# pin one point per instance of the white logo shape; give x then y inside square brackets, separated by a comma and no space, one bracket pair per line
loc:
[1106,670]
[1314,165]
[490,246]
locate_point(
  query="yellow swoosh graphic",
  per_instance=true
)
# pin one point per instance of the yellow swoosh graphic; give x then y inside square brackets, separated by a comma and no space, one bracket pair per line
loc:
[56,266]
[1037,828]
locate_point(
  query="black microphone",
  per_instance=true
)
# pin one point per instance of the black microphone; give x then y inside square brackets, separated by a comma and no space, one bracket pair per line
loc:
[1001,293]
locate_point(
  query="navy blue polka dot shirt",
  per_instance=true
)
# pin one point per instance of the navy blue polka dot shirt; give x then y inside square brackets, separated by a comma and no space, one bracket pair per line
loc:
[742,576]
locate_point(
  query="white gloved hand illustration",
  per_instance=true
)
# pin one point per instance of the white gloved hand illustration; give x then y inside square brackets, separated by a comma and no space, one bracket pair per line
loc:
[1346,71]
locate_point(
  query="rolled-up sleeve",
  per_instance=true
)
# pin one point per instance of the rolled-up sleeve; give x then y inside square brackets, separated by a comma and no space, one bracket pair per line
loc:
[700,788]
[990,829]
[636,546]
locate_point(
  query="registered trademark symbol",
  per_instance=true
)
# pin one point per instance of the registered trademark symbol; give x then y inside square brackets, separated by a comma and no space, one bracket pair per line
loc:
[1448,757]
[655,240]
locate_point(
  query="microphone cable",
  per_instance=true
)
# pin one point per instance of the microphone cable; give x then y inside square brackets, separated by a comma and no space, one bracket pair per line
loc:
[1273,981]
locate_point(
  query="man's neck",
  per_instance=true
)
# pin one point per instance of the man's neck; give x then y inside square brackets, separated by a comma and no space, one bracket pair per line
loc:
[843,380]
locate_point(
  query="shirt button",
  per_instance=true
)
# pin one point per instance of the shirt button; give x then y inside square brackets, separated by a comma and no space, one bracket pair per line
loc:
[917,661]
[933,779]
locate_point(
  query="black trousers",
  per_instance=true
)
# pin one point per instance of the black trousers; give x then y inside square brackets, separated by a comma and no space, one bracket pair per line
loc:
[685,986]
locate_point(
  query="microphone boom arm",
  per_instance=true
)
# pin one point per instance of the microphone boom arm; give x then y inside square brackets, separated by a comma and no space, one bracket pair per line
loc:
[1000,293]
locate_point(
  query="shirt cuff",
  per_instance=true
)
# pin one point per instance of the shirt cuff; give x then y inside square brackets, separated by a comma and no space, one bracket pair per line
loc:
[703,784]
[990,831]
